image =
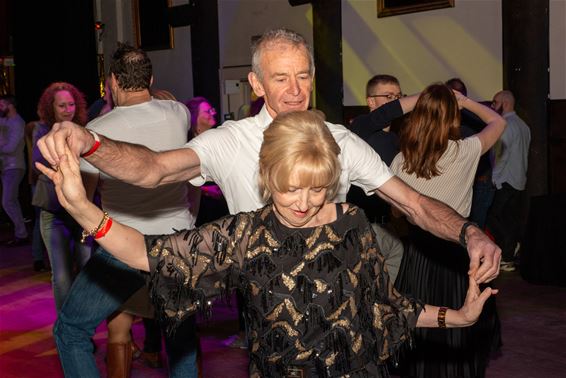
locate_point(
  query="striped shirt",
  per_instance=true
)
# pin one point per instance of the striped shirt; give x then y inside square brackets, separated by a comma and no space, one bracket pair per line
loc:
[458,167]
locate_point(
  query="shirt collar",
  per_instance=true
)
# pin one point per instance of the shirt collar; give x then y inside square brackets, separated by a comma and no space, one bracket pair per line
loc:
[508,114]
[264,118]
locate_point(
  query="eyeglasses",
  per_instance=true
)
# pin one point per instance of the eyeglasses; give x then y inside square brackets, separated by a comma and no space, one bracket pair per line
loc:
[389,96]
[211,111]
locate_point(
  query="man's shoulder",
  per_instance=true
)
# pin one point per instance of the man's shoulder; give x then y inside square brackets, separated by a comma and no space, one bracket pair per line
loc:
[104,121]
[171,104]
[14,121]
[228,136]
[244,122]
[341,134]
[242,128]
[336,128]
[515,126]
[20,120]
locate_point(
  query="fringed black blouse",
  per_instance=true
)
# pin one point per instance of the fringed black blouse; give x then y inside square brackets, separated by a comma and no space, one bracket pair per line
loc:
[317,298]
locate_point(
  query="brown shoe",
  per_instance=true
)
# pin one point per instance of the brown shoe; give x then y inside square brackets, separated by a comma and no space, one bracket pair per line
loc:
[119,360]
[152,359]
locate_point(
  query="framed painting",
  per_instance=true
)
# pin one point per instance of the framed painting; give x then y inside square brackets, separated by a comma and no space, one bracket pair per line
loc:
[387,8]
[151,24]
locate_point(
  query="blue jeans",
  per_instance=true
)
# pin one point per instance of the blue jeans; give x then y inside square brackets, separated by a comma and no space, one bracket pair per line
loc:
[62,235]
[99,290]
[11,179]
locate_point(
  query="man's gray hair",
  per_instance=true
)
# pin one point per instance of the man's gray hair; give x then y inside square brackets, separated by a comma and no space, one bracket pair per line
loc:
[280,35]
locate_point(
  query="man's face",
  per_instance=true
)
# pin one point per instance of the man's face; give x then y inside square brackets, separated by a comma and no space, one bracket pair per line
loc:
[286,81]
[382,94]
[497,104]
[3,108]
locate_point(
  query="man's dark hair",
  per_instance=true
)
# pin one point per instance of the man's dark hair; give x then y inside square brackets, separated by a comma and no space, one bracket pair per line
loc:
[131,67]
[457,84]
[380,79]
[9,99]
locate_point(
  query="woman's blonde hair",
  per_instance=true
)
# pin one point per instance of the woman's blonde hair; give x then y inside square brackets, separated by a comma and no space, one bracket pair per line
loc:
[298,143]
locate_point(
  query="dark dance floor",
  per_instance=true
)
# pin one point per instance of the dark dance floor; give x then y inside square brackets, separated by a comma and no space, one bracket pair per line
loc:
[533,322]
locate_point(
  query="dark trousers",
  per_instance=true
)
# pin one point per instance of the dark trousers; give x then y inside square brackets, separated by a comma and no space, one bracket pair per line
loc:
[505,219]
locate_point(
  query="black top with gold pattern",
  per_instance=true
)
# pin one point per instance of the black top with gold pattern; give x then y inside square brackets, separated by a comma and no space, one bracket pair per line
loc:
[316,297]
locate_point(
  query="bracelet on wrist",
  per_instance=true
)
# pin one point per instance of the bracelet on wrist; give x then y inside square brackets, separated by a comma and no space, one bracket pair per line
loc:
[104,229]
[442,317]
[94,146]
[103,225]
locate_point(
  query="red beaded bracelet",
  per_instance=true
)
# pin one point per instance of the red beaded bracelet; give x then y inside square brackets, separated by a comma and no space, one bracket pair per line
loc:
[104,230]
[94,146]
[85,234]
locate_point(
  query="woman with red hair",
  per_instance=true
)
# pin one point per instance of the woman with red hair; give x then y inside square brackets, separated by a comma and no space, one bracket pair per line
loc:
[59,102]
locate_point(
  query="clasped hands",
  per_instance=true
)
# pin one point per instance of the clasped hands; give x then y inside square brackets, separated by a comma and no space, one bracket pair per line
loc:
[66,177]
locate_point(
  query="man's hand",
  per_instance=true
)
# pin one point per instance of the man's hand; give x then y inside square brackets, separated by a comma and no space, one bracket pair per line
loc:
[53,144]
[68,183]
[441,220]
[485,255]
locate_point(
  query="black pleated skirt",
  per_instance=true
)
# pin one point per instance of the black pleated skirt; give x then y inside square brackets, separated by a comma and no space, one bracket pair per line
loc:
[435,271]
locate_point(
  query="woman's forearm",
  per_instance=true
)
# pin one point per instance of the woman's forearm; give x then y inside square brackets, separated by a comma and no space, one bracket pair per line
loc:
[429,318]
[485,113]
[495,124]
[125,243]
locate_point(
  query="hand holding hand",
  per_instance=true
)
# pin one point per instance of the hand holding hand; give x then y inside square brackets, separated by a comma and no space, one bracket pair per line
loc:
[61,136]
[68,182]
[485,256]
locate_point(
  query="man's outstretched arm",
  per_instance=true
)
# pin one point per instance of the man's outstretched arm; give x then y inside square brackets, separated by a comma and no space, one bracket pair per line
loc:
[131,163]
[441,220]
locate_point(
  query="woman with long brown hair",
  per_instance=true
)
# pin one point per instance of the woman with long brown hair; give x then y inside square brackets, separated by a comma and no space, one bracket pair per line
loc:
[435,161]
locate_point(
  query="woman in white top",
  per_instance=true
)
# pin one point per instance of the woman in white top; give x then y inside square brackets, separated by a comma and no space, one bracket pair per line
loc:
[436,162]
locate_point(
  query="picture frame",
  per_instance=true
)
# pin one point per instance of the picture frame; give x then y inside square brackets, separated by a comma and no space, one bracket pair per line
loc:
[386,8]
[151,24]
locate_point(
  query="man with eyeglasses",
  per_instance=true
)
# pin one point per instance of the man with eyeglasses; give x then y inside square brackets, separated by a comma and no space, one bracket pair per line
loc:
[380,90]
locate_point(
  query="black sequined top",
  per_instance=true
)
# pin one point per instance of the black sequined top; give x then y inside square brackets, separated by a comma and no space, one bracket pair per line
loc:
[315,297]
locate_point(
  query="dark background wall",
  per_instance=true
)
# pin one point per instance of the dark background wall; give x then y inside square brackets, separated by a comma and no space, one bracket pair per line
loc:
[525,73]
[5,27]
[53,41]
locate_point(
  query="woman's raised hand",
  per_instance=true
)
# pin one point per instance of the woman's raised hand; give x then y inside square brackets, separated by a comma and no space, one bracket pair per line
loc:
[460,98]
[68,182]
[475,300]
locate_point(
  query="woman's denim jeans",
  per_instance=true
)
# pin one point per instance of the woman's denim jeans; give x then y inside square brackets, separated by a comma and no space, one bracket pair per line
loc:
[61,235]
